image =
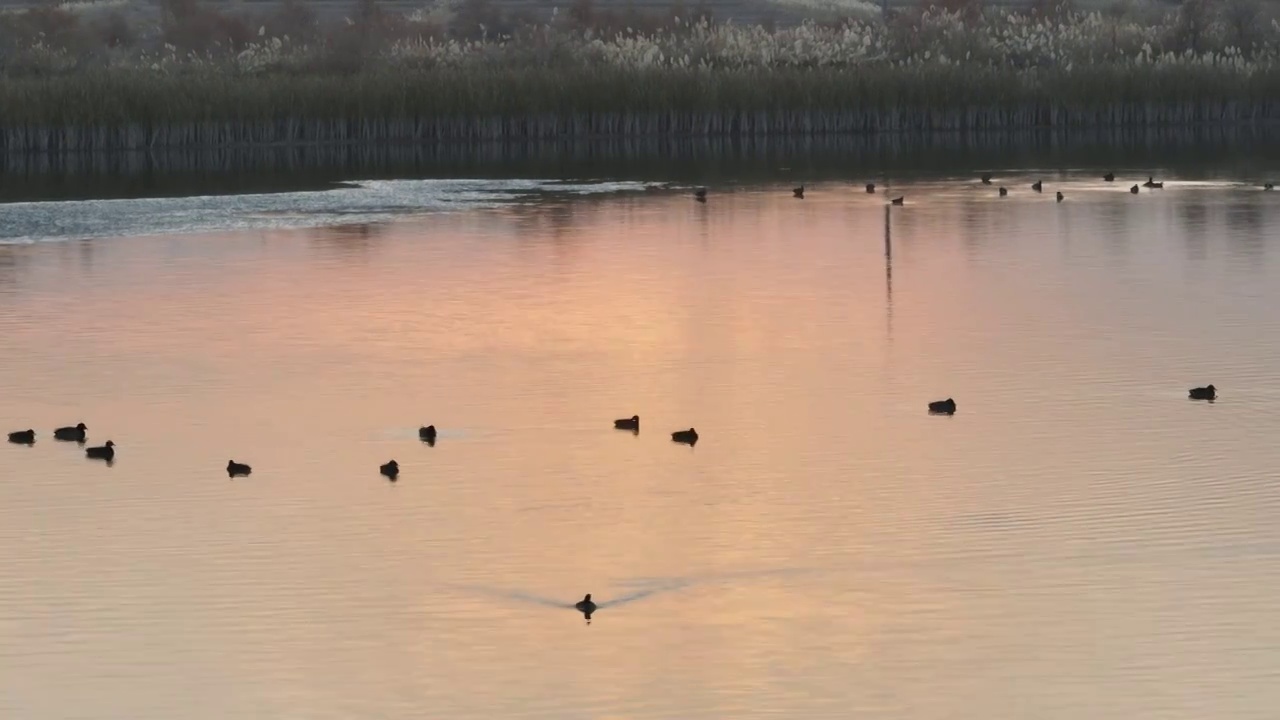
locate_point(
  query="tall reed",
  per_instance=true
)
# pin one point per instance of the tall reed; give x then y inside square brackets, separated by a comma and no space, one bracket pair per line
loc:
[1002,72]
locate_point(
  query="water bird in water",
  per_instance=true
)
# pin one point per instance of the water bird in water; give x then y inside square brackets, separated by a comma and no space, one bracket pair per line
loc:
[700,194]
[899,200]
[427,434]
[1268,186]
[1004,192]
[798,192]
[70,433]
[1203,393]
[632,423]
[871,188]
[391,469]
[1037,186]
[943,407]
[1134,189]
[235,469]
[688,437]
[1151,183]
[585,606]
[1109,177]
[105,452]
[23,437]
[1061,197]
[986,178]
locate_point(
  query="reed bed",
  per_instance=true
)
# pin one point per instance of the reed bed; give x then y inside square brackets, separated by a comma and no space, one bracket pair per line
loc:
[928,72]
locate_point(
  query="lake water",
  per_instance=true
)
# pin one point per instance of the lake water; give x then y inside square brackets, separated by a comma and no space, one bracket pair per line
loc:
[1079,540]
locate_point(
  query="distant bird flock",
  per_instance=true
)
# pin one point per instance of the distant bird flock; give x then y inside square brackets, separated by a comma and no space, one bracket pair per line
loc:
[427,434]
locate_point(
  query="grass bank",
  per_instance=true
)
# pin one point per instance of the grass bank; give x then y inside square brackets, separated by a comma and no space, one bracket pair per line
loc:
[925,72]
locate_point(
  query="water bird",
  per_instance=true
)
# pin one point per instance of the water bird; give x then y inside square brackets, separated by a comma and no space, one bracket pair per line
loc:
[688,437]
[1134,189]
[235,469]
[986,178]
[1151,182]
[105,452]
[585,604]
[943,407]
[899,200]
[798,192]
[1004,191]
[1037,186]
[1268,186]
[631,423]
[1203,393]
[1061,197]
[700,194]
[871,188]
[427,434]
[70,433]
[1109,177]
[391,469]
[23,437]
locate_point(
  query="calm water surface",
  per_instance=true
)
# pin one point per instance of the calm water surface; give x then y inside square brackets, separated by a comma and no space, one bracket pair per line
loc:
[1079,540]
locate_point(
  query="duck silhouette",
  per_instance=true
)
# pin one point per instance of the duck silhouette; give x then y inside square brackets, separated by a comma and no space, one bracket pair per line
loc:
[943,407]
[71,433]
[986,178]
[427,434]
[871,188]
[105,452]
[1004,192]
[632,423]
[1109,177]
[1203,393]
[1037,186]
[688,437]
[1134,189]
[1061,197]
[798,192]
[700,194]
[23,437]
[585,606]
[1268,186]
[235,469]
[899,200]
[391,469]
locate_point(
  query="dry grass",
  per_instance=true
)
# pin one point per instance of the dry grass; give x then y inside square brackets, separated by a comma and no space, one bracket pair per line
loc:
[205,79]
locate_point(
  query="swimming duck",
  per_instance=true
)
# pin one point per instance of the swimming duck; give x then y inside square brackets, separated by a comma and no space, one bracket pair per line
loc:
[1109,177]
[947,407]
[427,434]
[234,468]
[1203,393]
[70,433]
[687,437]
[585,605]
[1037,186]
[1004,191]
[23,437]
[1061,197]
[700,194]
[391,469]
[871,188]
[631,423]
[106,452]
[1268,186]
[1151,183]
[899,200]
[1134,189]
[798,192]
[986,178]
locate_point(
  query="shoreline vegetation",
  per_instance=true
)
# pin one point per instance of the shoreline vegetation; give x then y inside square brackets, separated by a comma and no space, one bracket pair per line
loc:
[110,75]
